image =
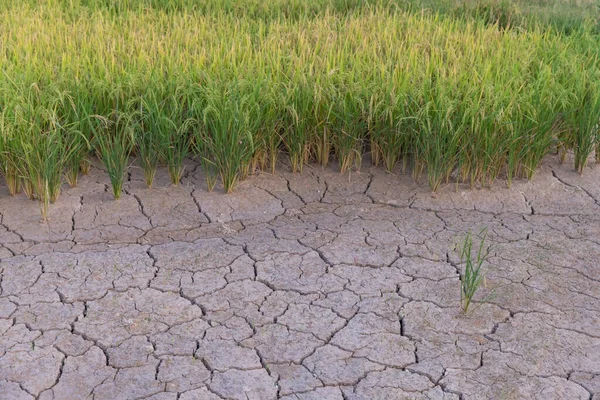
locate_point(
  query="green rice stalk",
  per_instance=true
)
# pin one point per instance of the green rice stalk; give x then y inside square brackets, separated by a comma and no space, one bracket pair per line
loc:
[174,127]
[9,156]
[28,188]
[473,276]
[321,141]
[585,126]
[147,139]
[300,123]
[78,149]
[113,140]
[348,125]
[231,118]
[210,172]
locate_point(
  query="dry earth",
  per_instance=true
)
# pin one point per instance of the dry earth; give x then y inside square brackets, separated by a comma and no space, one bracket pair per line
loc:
[311,287]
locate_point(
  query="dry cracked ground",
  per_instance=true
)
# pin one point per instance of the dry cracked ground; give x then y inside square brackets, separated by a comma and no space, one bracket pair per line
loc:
[317,286]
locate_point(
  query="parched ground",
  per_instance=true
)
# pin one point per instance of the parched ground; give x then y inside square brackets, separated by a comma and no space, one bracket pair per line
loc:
[317,286]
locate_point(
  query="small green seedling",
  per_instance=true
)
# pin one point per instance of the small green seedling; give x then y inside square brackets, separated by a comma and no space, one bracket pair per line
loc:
[473,275]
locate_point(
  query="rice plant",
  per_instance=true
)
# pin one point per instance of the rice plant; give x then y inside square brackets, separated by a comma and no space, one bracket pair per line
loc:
[77,136]
[300,123]
[585,123]
[44,157]
[348,124]
[77,154]
[473,275]
[390,127]
[440,127]
[47,143]
[176,147]
[201,147]
[269,136]
[114,140]
[231,118]
[147,139]
[9,155]
[210,171]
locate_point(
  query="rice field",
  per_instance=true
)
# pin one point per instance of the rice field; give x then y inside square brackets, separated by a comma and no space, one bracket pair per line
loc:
[463,91]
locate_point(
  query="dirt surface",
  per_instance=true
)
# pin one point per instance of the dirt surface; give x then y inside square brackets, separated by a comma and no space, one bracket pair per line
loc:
[311,287]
